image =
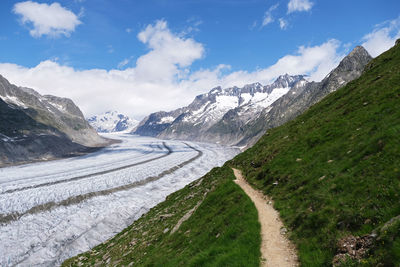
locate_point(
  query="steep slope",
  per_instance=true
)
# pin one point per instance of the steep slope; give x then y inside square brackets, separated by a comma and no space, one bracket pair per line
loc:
[210,222]
[333,171]
[300,98]
[112,121]
[36,127]
[191,122]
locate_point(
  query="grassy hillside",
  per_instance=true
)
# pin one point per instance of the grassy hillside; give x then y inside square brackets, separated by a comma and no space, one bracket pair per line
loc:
[221,230]
[334,172]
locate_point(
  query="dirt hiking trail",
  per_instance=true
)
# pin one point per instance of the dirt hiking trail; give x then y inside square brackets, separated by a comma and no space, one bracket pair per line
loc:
[276,249]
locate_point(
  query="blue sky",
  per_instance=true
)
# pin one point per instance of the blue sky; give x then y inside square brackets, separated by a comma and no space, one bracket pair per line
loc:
[91,49]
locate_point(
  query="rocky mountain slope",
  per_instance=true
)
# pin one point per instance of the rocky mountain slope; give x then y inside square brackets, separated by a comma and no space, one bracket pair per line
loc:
[240,116]
[36,127]
[193,121]
[112,121]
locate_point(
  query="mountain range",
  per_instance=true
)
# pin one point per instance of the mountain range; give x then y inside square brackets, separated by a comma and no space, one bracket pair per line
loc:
[37,127]
[112,121]
[240,116]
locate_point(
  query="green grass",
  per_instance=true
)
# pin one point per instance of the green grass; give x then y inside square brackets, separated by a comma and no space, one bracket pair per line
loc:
[337,167]
[223,231]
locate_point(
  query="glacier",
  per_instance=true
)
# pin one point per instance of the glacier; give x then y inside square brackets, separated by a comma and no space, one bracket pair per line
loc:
[54,210]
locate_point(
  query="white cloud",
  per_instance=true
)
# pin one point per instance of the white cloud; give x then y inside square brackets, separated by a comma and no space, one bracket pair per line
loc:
[283,24]
[168,55]
[268,18]
[53,20]
[299,5]
[128,30]
[382,37]
[161,79]
[315,61]
[123,63]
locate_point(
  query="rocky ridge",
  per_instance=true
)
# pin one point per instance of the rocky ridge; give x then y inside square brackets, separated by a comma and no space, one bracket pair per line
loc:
[193,122]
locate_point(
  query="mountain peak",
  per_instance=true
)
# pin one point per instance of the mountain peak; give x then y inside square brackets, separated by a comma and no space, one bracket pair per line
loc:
[358,51]
[355,61]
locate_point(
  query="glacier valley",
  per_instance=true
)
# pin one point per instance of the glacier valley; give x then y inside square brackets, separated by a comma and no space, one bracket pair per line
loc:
[53,210]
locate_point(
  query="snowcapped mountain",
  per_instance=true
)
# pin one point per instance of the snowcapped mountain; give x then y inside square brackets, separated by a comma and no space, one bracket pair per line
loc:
[240,116]
[112,121]
[193,121]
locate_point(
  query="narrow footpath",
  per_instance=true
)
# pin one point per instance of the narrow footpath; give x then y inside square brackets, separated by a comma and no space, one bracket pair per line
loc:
[276,249]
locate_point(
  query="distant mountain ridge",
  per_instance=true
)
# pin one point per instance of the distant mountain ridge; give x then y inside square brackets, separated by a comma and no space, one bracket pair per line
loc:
[240,116]
[112,121]
[193,121]
[36,127]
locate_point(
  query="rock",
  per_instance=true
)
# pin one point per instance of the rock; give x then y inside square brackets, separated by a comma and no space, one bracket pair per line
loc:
[322,178]
[391,222]
[164,216]
[283,231]
[166,230]
[298,159]
[352,247]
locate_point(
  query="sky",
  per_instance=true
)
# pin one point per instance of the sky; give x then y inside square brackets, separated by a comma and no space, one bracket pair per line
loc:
[142,56]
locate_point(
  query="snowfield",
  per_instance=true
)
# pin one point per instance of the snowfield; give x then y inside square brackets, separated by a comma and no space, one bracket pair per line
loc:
[53,210]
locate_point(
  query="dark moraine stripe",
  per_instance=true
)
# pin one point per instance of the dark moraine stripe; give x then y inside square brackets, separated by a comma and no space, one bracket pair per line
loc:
[6,218]
[170,151]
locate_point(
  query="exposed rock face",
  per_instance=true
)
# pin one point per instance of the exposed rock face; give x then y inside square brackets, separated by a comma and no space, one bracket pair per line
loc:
[112,121]
[36,127]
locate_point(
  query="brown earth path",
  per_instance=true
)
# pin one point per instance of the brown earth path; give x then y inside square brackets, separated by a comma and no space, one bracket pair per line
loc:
[276,249]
